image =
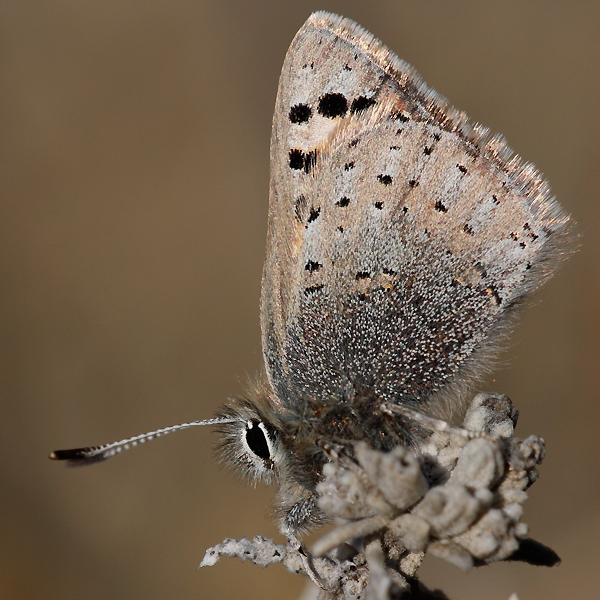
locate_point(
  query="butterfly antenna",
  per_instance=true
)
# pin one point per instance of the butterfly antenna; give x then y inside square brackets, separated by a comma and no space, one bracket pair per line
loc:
[93,454]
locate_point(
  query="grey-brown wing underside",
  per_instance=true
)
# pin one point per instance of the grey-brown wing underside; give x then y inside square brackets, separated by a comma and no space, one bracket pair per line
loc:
[399,236]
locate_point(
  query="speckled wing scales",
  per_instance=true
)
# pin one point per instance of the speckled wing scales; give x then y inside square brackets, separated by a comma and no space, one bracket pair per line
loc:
[400,236]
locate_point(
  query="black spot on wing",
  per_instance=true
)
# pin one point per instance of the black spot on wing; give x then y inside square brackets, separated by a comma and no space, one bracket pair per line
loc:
[343,202]
[333,105]
[300,113]
[311,266]
[398,116]
[299,160]
[440,206]
[361,103]
[385,179]
[296,159]
[314,214]
[313,289]
[533,235]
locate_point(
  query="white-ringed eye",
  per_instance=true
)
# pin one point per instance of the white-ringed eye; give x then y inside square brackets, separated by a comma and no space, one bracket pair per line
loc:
[257,441]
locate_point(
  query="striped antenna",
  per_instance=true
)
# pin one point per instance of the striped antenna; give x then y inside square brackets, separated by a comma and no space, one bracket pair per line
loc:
[86,456]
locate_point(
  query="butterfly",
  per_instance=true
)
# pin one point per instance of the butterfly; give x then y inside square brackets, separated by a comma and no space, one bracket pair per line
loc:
[402,240]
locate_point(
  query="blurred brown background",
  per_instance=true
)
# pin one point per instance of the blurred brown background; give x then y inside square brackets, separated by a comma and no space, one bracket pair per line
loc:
[134,179]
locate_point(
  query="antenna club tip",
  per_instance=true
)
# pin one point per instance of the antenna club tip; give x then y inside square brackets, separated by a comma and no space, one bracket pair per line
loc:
[75,454]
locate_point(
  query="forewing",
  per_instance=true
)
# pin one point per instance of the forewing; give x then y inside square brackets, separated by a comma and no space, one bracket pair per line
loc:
[400,237]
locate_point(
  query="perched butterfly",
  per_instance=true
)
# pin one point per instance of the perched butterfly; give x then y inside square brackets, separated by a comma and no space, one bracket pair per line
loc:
[401,241]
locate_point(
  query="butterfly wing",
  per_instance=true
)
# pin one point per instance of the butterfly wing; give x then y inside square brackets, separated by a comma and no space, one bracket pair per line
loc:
[400,237]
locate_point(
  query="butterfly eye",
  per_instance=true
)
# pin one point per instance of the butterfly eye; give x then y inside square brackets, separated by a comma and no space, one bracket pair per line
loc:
[258,442]
[250,443]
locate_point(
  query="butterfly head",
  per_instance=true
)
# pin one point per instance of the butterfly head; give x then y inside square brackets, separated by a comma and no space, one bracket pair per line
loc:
[251,441]
[264,442]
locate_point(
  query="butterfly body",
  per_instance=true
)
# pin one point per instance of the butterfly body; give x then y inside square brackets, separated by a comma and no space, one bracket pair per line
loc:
[295,462]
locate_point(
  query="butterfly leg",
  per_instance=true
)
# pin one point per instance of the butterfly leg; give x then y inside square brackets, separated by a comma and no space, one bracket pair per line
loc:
[307,560]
